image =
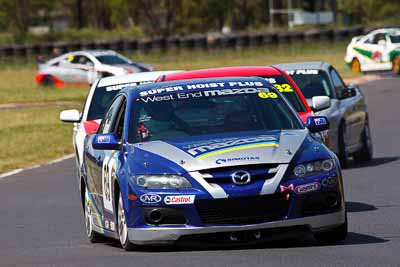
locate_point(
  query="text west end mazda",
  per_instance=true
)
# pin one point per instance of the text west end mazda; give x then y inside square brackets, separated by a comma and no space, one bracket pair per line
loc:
[226,159]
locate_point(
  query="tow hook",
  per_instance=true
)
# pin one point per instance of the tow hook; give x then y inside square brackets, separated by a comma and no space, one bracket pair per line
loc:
[257,235]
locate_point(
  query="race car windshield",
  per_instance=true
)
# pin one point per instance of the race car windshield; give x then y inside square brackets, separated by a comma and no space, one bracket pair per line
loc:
[112,60]
[196,113]
[285,87]
[311,82]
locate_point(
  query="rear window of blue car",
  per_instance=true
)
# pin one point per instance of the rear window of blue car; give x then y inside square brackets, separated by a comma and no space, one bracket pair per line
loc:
[194,113]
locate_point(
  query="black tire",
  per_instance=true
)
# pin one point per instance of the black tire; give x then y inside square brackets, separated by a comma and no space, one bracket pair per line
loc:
[343,155]
[396,64]
[48,81]
[93,236]
[366,152]
[334,235]
[122,228]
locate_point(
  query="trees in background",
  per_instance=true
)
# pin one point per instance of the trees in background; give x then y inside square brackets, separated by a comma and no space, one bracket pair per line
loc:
[175,17]
[367,11]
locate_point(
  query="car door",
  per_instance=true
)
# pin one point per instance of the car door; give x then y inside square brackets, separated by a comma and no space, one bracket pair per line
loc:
[375,53]
[64,70]
[77,68]
[85,67]
[351,109]
[111,165]
[89,65]
[98,162]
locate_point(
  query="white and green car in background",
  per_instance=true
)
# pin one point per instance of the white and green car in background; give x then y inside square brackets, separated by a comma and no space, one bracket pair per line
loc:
[379,50]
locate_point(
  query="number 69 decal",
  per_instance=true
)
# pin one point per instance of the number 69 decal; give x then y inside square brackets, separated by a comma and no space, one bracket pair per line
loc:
[267,95]
[108,174]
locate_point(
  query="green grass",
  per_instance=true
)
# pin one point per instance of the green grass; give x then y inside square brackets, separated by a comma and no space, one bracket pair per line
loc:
[18,85]
[34,135]
[332,53]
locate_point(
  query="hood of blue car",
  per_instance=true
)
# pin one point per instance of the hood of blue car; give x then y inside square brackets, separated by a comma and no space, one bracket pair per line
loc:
[212,151]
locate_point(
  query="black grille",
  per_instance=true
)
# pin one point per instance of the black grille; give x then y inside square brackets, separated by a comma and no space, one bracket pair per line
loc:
[223,174]
[168,216]
[241,167]
[321,203]
[248,210]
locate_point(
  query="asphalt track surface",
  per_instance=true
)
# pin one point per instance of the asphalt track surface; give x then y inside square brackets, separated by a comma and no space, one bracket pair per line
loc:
[42,224]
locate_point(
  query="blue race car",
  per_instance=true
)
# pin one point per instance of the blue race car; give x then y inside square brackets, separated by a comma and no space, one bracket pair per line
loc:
[215,159]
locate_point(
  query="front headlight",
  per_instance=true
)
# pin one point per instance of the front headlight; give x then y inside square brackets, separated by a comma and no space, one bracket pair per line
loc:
[162,182]
[312,168]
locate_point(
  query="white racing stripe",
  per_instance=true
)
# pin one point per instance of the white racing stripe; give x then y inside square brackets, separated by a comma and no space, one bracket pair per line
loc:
[213,189]
[270,185]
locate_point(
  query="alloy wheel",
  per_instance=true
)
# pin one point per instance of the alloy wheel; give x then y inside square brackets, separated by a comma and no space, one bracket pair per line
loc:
[122,227]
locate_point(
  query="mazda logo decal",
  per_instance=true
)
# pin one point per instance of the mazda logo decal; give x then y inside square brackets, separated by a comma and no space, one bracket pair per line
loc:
[241,177]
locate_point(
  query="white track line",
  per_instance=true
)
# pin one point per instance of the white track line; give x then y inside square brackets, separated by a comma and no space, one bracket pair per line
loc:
[10,173]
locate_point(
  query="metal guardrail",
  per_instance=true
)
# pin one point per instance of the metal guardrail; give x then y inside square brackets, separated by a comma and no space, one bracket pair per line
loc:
[190,42]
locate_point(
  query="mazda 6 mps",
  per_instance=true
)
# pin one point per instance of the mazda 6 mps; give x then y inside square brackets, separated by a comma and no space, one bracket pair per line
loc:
[224,159]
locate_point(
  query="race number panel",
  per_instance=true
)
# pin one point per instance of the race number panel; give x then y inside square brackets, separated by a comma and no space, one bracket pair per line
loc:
[109,171]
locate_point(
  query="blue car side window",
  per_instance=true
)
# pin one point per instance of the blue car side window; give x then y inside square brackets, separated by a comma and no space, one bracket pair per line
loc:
[110,117]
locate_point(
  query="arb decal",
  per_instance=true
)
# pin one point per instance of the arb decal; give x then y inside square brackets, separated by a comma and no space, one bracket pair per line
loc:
[150,198]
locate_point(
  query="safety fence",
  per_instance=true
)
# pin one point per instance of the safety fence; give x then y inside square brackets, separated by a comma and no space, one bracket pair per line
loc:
[190,42]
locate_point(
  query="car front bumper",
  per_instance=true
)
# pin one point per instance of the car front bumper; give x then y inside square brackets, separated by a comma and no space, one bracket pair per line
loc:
[160,235]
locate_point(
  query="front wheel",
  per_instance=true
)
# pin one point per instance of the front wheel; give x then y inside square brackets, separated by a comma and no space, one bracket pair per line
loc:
[396,64]
[48,81]
[334,235]
[122,226]
[365,153]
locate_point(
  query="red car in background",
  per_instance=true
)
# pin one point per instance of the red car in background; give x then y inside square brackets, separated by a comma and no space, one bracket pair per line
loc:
[282,81]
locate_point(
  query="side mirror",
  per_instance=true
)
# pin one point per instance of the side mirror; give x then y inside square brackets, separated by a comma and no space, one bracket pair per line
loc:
[349,91]
[317,124]
[71,115]
[105,141]
[320,103]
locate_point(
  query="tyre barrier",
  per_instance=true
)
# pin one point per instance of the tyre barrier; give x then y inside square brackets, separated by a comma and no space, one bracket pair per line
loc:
[199,41]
